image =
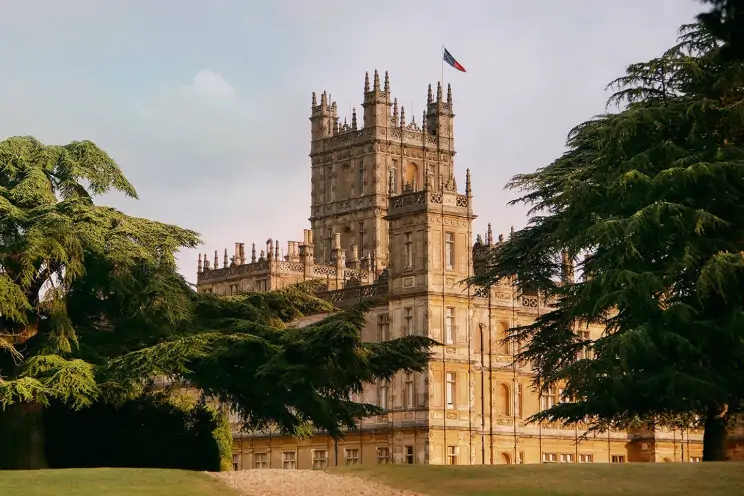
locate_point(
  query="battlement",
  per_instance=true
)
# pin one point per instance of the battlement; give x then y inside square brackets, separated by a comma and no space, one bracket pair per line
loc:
[271,269]
[380,110]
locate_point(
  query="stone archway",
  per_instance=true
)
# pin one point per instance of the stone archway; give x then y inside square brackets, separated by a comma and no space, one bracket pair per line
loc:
[505,458]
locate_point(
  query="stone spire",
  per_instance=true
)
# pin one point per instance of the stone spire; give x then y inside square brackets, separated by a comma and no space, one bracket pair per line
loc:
[366,82]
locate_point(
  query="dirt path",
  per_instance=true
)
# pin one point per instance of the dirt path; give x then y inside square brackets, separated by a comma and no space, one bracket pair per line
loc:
[277,482]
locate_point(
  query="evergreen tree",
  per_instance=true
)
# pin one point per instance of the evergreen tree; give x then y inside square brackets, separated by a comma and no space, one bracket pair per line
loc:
[648,201]
[91,306]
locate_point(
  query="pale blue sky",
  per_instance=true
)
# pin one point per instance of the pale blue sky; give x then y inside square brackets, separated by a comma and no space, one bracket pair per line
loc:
[205,104]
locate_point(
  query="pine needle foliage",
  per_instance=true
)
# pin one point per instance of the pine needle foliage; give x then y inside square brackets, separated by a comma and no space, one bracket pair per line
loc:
[92,308]
[243,352]
[649,203]
[67,267]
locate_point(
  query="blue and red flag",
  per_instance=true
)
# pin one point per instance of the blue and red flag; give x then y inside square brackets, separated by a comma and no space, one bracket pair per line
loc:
[451,61]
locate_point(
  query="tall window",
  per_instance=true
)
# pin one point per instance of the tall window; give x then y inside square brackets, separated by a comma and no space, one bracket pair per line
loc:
[449,250]
[586,351]
[328,186]
[409,455]
[409,391]
[449,325]
[383,328]
[547,399]
[361,178]
[236,463]
[383,455]
[261,460]
[320,459]
[394,176]
[451,389]
[408,317]
[382,389]
[328,245]
[451,455]
[518,399]
[289,459]
[361,239]
[408,253]
[351,456]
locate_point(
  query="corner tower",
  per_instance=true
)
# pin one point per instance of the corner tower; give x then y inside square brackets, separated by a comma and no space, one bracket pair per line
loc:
[358,164]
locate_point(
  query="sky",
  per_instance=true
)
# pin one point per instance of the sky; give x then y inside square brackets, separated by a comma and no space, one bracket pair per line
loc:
[205,105]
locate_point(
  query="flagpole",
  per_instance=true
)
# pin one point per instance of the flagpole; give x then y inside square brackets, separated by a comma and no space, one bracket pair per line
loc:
[441,58]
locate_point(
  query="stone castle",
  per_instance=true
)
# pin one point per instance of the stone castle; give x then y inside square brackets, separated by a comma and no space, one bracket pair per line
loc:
[387,222]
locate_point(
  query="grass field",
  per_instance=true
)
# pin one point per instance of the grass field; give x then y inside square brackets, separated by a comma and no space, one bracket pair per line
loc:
[646,479]
[109,482]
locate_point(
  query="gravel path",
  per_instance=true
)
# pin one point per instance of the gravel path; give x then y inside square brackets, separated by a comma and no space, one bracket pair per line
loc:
[277,482]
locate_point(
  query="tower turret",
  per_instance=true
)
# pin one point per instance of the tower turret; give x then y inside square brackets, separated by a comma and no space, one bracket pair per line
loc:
[377,102]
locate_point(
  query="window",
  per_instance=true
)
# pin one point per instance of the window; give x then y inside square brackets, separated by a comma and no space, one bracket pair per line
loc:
[289,459]
[328,255]
[410,459]
[409,391]
[261,460]
[361,178]
[351,456]
[262,285]
[408,321]
[382,388]
[566,458]
[585,352]
[549,458]
[408,262]
[618,458]
[383,328]
[518,399]
[451,455]
[695,459]
[234,288]
[328,185]
[586,458]
[236,463]
[383,456]
[449,250]
[547,399]
[449,325]
[394,176]
[320,459]
[451,389]
[520,458]
[362,231]
[504,400]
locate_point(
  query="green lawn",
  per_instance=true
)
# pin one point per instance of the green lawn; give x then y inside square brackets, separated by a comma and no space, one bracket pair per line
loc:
[646,479]
[110,482]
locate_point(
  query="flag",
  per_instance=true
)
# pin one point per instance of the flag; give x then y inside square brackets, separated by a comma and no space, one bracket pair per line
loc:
[451,61]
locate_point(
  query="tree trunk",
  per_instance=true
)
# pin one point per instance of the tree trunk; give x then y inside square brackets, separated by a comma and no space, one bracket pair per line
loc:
[22,437]
[714,437]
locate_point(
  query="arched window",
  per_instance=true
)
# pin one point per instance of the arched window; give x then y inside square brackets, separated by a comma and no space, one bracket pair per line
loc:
[504,400]
[411,177]
[505,458]
[501,334]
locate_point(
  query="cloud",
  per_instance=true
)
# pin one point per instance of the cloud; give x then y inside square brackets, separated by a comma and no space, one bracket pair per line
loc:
[210,84]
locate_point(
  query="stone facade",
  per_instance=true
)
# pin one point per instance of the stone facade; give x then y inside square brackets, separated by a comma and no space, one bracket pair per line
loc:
[388,222]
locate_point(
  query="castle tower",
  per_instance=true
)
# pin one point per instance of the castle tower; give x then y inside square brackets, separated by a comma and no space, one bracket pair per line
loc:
[356,167]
